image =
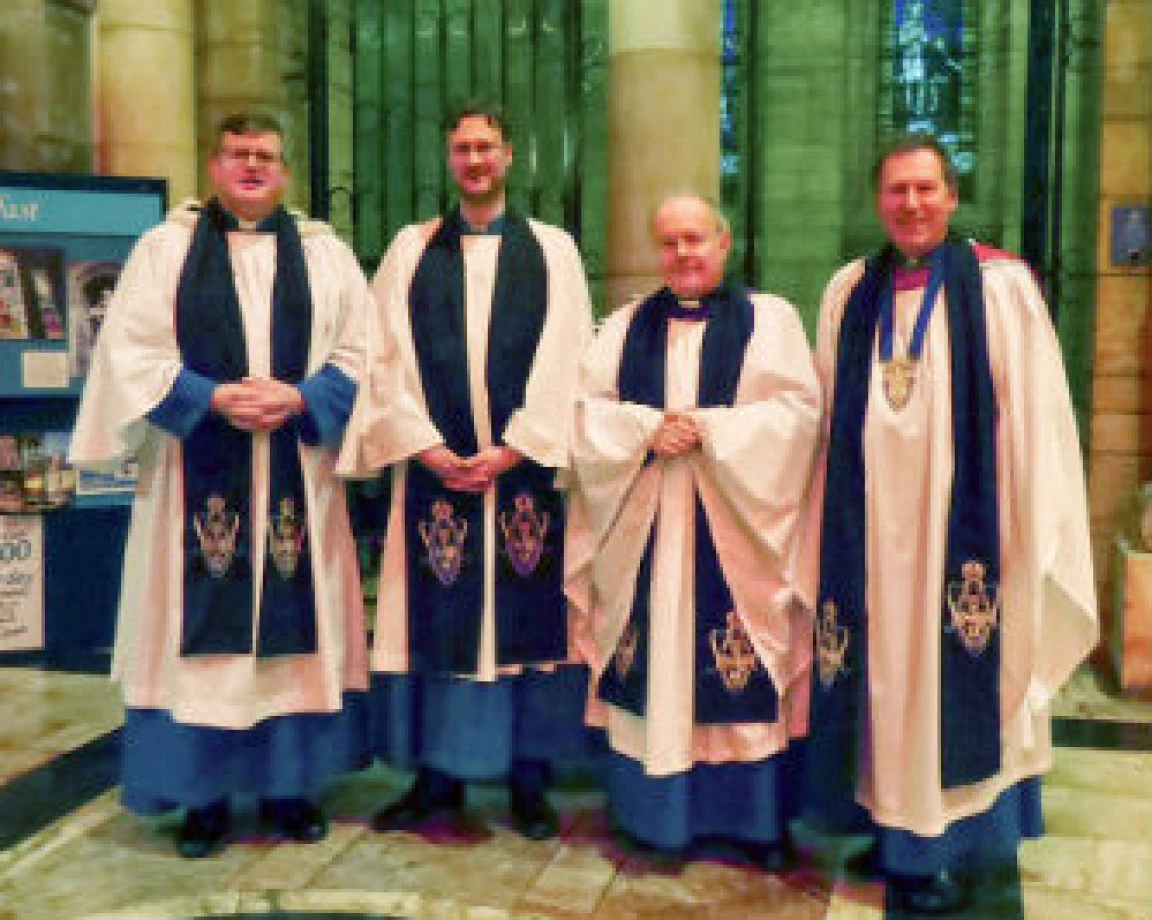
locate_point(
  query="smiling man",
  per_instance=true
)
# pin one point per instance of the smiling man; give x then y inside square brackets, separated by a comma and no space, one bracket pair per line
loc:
[696,433]
[956,590]
[485,314]
[228,363]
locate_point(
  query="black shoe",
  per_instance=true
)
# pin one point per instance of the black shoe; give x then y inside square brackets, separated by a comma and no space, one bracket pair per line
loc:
[864,863]
[771,857]
[431,794]
[532,816]
[203,829]
[296,819]
[941,893]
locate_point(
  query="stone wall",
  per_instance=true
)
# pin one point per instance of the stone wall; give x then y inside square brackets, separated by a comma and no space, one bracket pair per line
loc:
[1122,380]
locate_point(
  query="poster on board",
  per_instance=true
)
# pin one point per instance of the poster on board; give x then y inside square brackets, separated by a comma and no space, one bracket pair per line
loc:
[21,582]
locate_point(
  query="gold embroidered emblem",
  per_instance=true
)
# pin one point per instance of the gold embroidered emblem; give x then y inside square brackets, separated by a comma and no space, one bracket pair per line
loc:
[733,653]
[524,533]
[899,377]
[216,530]
[831,645]
[974,610]
[626,651]
[286,537]
[444,537]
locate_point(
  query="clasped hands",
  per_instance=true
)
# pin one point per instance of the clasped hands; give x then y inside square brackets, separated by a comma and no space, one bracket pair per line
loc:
[469,474]
[678,434]
[257,403]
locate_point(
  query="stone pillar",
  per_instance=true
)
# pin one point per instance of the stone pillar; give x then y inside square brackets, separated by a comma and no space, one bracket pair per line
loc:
[252,57]
[45,85]
[341,133]
[146,92]
[1121,441]
[664,124]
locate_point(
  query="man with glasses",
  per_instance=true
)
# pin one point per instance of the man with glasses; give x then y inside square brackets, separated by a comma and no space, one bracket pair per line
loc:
[486,313]
[956,589]
[228,363]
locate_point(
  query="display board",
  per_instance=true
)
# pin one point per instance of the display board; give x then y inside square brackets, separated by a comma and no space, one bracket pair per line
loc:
[63,240]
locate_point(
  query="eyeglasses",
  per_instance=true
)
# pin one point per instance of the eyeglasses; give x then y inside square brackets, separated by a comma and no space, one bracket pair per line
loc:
[241,156]
[482,149]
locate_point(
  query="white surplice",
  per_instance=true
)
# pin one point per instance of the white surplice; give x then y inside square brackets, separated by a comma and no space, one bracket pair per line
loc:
[135,364]
[1047,593]
[752,475]
[391,422]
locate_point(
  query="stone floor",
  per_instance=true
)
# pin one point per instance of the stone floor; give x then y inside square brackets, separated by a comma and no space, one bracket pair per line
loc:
[67,849]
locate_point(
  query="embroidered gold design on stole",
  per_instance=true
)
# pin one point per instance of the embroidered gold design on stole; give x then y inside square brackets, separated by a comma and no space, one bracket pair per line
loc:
[974,609]
[899,375]
[733,653]
[286,537]
[216,530]
[524,530]
[831,645]
[625,653]
[443,538]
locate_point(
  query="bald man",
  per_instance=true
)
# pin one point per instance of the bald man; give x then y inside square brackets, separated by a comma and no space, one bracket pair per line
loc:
[696,428]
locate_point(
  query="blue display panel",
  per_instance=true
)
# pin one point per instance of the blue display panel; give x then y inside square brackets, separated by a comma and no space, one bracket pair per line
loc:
[62,242]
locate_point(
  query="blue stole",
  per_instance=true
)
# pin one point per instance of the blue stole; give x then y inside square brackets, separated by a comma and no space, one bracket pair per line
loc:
[445,529]
[217,458]
[970,652]
[731,685]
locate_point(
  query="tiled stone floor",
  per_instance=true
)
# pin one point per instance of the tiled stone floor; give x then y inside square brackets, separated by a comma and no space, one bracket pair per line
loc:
[93,860]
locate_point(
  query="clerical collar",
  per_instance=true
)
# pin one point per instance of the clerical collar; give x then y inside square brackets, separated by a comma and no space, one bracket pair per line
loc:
[495,227]
[691,310]
[912,263]
[911,274]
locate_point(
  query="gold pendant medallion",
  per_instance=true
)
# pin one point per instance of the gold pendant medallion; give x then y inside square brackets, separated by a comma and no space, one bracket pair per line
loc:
[899,376]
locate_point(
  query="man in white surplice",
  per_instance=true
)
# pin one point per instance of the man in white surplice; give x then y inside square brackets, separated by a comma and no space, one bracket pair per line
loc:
[228,364]
[696,432]
[485,313]
[956,590]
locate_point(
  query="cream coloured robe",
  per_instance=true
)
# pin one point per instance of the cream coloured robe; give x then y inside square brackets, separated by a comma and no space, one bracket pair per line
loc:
[1048,601]
[388,428]
[135,364]
[752,474]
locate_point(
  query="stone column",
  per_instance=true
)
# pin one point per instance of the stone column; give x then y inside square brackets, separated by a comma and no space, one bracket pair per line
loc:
[252,57]
[664,124]
[146,92]
[45,85]
[1121,442]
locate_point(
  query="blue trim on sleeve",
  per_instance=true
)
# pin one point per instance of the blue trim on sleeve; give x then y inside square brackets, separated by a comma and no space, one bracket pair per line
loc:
[328,398]
[184,405]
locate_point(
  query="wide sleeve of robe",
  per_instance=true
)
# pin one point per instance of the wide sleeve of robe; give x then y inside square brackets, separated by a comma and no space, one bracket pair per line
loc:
[752,475]
[136,360]
[541,428]
[389,421]
[1048,596]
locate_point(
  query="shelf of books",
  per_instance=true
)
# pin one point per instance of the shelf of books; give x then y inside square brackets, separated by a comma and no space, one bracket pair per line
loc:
[63,240]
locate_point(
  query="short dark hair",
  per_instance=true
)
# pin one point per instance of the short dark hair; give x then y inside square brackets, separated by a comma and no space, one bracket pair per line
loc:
[910,142]
[248,123]
[488,109]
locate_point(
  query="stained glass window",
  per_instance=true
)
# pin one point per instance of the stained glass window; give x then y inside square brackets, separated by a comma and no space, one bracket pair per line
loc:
[929,73]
